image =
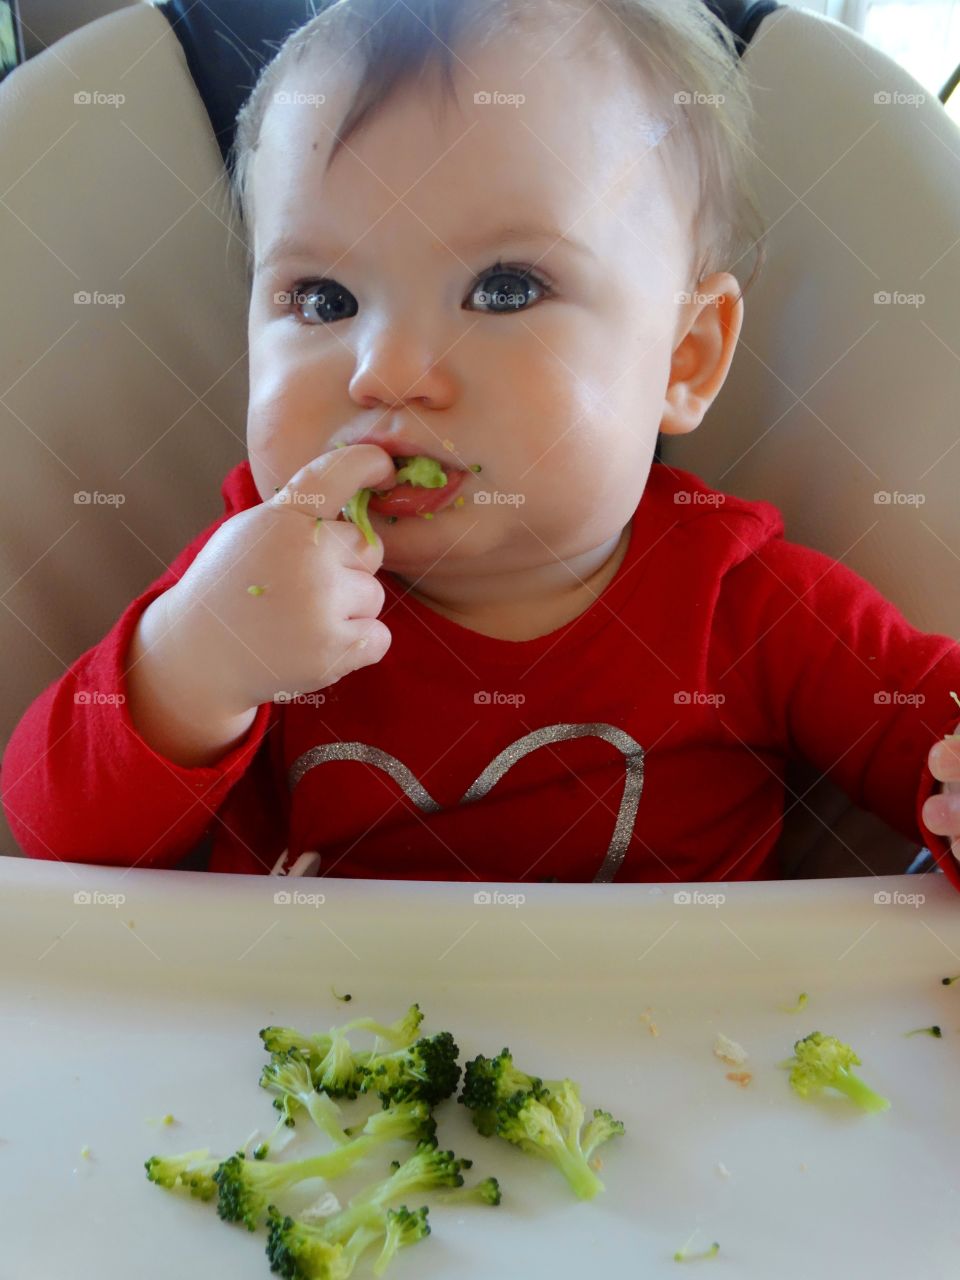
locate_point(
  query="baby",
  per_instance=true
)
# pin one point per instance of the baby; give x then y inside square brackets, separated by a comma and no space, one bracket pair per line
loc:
[496,238]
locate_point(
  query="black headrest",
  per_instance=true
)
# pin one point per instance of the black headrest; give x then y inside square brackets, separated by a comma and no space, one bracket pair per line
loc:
[227,43]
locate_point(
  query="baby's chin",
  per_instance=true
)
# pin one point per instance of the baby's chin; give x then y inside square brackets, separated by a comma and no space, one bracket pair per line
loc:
[461,540]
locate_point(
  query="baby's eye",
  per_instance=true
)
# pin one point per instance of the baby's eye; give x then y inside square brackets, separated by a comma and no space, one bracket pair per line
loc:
[325,299]
[505,289]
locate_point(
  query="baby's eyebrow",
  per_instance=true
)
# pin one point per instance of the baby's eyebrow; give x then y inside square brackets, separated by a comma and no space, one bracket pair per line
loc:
[515,233]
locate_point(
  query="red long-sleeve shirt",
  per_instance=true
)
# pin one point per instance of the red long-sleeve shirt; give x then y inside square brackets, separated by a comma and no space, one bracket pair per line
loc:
[644,740]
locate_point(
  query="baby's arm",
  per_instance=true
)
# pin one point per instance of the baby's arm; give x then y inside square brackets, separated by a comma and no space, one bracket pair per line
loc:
[80,783]
[122,760]
[835,674]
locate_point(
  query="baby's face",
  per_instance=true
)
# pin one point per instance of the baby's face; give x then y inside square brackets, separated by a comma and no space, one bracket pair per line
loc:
[557,388]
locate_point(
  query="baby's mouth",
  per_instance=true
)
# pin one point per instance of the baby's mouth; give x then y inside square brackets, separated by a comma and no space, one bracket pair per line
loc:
[425,486]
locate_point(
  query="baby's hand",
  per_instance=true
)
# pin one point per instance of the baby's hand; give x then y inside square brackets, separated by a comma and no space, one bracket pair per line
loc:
[941,813]
[316,618]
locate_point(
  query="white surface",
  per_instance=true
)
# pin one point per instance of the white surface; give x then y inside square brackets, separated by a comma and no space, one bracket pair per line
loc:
[103,1027]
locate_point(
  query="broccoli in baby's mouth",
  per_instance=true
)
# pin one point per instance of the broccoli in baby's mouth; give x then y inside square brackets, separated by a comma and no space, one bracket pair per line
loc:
[424,472]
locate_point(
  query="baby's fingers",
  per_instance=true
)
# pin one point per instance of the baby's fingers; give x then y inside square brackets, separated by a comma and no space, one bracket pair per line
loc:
[944,759]
[941,813]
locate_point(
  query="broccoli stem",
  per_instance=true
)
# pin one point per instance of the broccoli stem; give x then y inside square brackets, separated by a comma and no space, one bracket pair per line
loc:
[575,1169]
[325,1113]
[356,510]
[855,1088]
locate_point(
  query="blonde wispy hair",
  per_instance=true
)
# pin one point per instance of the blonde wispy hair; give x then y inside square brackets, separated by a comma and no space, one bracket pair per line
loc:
[683,53]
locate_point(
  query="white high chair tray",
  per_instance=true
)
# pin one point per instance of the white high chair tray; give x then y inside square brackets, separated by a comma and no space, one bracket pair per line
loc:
[113,1013]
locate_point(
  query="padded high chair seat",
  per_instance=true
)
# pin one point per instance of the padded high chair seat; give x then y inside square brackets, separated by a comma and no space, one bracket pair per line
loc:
[137,397]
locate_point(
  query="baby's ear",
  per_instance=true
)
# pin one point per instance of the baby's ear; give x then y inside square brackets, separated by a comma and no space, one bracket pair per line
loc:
[709,323]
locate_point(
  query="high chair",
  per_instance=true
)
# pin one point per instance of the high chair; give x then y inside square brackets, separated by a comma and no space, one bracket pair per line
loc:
[835,397]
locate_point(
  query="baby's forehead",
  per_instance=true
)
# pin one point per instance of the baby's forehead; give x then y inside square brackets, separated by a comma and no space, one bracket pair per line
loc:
[567,130]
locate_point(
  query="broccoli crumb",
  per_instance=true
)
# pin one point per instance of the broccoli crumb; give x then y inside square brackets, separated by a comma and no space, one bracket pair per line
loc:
[801,1004]
[683,1255]
[168,1119]
[255,590]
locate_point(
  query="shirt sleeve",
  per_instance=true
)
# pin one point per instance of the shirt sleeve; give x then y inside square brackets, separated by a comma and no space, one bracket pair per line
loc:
[78,782]
[836,674]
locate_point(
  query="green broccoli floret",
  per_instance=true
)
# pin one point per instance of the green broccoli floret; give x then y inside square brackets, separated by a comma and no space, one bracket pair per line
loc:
[192,1171]
[301,1251]
[426,1170]
[824,1062]
[531,1125]
[427,1070]
[400,1034]
[487,1081]
[289,1076]
[403,1228]
[412,1120]
[340,1071]
[315,1048]
[542,1118]
[246,1188]
[285,1106]
[599,1130]
[485,1192]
